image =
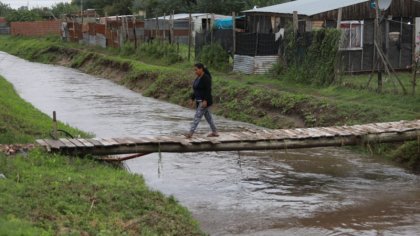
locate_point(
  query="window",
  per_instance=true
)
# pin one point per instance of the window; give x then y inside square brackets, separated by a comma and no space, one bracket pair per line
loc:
[352,35]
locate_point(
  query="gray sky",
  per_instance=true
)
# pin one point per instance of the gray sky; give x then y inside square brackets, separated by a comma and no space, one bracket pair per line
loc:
[32,3]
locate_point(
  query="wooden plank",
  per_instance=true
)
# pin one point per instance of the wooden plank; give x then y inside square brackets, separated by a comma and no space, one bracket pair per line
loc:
[302,133]
[55,144]
[235,135]
[124,141]
[202,139]
[356,131]
[291,134]
[342,131]
[324,133]
[226,137]
[104,142]
[77,143]
[183,141]
[333,131]
[152,139]
[327,132]
[67,143]
[280,134]
[260,136]
[384,126]
[142,140]
[271,135]
[314,133]
[132,140]
[86,143]
[111,141]
[247,130]
[372,129]
[164,139]
[94,142]
[214,141]
[44,144]
[241,137]
[167,139]
[249,136]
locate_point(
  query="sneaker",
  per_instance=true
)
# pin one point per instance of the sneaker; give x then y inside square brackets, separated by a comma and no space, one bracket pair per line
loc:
[214,134]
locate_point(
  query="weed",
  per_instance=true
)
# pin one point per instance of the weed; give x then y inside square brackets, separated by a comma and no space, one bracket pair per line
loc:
[214,56]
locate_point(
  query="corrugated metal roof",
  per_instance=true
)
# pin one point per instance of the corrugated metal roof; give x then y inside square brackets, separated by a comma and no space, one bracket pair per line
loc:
[185,16]
[307,7]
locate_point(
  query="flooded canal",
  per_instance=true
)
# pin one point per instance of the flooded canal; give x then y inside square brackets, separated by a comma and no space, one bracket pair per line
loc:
[325,191]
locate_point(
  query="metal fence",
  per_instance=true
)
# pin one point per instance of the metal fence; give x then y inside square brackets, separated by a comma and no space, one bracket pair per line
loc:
[224,37]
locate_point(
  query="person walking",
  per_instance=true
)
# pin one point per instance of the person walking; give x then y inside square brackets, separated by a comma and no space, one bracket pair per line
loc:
[202,100]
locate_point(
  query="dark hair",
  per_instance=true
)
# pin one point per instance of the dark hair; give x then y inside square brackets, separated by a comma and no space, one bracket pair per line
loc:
[201,66]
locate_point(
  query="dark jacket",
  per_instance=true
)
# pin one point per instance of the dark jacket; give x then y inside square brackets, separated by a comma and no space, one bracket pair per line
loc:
[202,89]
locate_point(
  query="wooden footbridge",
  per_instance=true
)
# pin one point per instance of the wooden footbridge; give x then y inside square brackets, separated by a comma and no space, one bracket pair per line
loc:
[239,141]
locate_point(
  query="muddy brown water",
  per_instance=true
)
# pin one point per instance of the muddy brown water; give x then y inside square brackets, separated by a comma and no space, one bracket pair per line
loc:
[323,191]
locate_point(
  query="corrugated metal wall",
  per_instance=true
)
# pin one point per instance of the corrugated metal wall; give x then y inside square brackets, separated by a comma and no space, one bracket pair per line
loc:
[4,30]
[253,65]
[262,64]
[243,64]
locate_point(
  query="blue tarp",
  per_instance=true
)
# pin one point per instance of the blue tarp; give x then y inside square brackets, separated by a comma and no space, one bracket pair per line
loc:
[225,23]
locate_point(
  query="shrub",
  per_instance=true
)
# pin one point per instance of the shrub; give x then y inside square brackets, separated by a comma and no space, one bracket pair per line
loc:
[160,50]
[311,58]
[127,49]
[214,56]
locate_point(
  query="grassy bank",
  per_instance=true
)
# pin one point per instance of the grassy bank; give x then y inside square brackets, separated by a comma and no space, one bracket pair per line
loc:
[20,122]
[262,100]
[46,194]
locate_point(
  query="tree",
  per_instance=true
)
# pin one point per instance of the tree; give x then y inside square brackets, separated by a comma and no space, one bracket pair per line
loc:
[155,8]
[110,7]
[23,15]
[121,7]
[4,9]
[64,9]
[158,7]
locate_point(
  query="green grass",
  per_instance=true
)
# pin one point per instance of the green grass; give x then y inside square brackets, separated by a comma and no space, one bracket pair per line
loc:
[53,194]
[46,194]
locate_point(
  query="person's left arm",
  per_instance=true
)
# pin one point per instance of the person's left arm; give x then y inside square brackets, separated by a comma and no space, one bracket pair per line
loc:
[206,90]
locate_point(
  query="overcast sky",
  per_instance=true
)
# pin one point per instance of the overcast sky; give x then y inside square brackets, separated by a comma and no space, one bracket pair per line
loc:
[32,3]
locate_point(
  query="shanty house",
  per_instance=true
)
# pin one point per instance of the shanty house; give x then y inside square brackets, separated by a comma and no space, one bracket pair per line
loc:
[400,32]
[4,26]
[160,27]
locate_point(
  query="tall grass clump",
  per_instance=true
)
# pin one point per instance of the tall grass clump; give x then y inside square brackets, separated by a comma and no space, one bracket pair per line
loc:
[310,58]
[215,57]
[161,50]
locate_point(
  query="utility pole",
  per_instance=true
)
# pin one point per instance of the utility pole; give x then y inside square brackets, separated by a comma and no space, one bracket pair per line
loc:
[189,36]
[81,10]
[378,41]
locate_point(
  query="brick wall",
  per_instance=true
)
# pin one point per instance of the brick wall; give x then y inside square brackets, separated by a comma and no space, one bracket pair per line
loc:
[35,28]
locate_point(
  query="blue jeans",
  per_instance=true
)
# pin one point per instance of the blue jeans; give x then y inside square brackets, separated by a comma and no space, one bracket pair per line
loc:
[199,113]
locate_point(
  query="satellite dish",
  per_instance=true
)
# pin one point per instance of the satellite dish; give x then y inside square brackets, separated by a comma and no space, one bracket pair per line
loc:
[384,4]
